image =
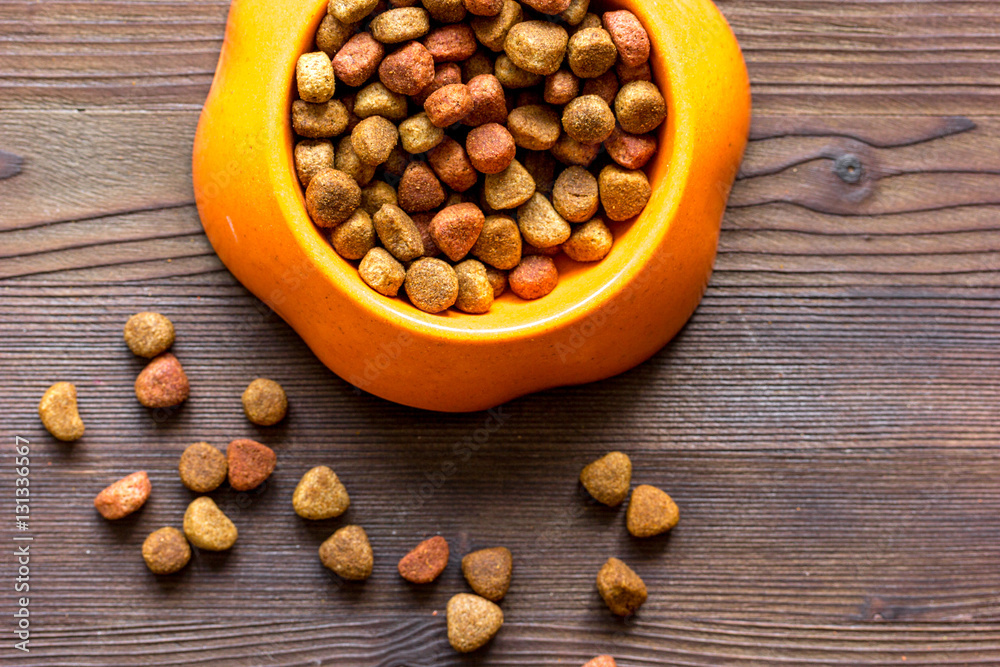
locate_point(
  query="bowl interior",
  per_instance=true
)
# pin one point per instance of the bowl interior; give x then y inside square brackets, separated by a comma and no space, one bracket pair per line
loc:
[581,285]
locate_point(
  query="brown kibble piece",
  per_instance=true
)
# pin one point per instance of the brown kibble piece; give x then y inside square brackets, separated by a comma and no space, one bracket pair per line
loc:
[631,151]
[640,107]
[510,188]
[455,229]
[472,622]
[418,134]
[400,25]
[358,59]
[377,100]
[622,589]
[408,69]
[419,189]
[624,192]
[489,104]
[202,467]
[498,279]
[483,7]
[445,74]
[588,119]
[542,167]
[382,272]
[250,463]
[575,12]
[353,238]
[561,87]
[478,63]
[449,104]
[651,512]
[374,138]
[608,478]
[629,36]
[488,572]
[374,195]
[452,165]
[397,163]
[491,31]
[314,77]
[499,242]
[265,402]
[445,11]
[348,553]
[536,46]
[351,11]
[332,34]
[591,52]
[149,334]
[601,661]
[475,292]
[425,562]
[540,223]
[604,86]
[534,277]
[490,148]
[317,121]
[451,43]
[589,242]
[166,551]
[535,127]
[431,285]
[207,527]
[574,194]
[398,234]
[332,195]
[423,223]
[59,413]
[320,495]
[569,151]
[548,6]
[162,383]
[124,496]
[311,157]
[628,73]
[512,76]
[348,162]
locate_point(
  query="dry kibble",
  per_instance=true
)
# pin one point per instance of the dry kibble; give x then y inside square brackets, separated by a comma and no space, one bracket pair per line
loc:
[59,414]
[250,463]
[591,52]
[316,121]
[640,107]
[397,163]
[570,152]
[604,86]
[449,104]
[624,192]
[351,11]
[400,25]
[162,383]
[589,242]
[534,277]
[498,279]
[628,73]
[483,7]
[382,272]
[628,35]
[353,238]
[207,527]
[166,551]
[373,196]
[561,87]
[528,250]
[320,495]
[621,588]
[540,223]
[535,127]
[510,188]
[445,11]
[149,334]
[491,31]
[445,74]
[332,196]
[488,572]
[489,104]
[408,69]
[608,478]
[452,165]
[589,20]
[265,402]
[490,148]
[373,139]
[575,13]
[542,167]
[333,34]
[475,292]
[202,467]
[631,151]
[418,134]
[124,496]
[348,162]
[348,553]
[377,100]
[650,512]
[358,59]
[314,77]
[455,229]
[419,189]
[400,237]
[512,76]
[499,242]
[472,622]
[574,194]
[548,6]
[601,661]
[451,43]
[431,285]
[536,46]
[425,562]
[588,119]
[311,157]
[423,223]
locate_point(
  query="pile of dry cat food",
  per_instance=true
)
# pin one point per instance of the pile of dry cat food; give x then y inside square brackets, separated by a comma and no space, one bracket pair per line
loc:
[473,619]
[454,148]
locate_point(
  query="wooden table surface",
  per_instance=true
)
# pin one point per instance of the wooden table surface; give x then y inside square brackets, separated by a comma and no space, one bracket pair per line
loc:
[827,422]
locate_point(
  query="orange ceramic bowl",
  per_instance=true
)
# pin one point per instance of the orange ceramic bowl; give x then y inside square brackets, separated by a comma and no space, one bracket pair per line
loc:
[601,319]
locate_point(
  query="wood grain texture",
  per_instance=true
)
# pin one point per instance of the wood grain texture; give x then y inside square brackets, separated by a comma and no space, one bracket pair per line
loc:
[826,422]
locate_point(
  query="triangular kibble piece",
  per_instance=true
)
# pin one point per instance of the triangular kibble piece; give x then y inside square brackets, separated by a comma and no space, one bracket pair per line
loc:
[608,478]
[650,512]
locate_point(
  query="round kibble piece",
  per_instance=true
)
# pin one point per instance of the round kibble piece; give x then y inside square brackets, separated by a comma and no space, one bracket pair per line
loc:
[419,189]
[202,467]
[455,229]
[569,151]
[418,134]
[377,100]
[575,13]
[540,223]
[513,76]
[608,478]
[604,86]
[425,562]
[499,242]
[445,74]
[475,292]
[574,194]
[498,279]
[620,587]
[348,553]
[320,495]
[491,31]
[347,161]
[445,11]
[535,127]
[355,237]
[591,52]
[382,272]
[373,139]
[162,383]
[398,234]
[588,119]
[489,104]
[250,463]
[452,165]
[589,242]
[207,527]
[472,622]
[451,43]
[358,59]
[561,87]
[374,196]
[488,572]
[483,7]
[548,6]
[124,496]
[631,151]
[265,402]
[332,34]
[314,77]
[400,25]
[317,121]
[332,195]
[166,551]
[589,20]
[624,192]
[449,104]
[431,285]
[59,414]
[510,188]
[407,70]
[628,35]
[640,107]
[311,157]
[351,11]
[479,63]
[534,277]
[149,334]
[490,148]
[651,512]
[537,46]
